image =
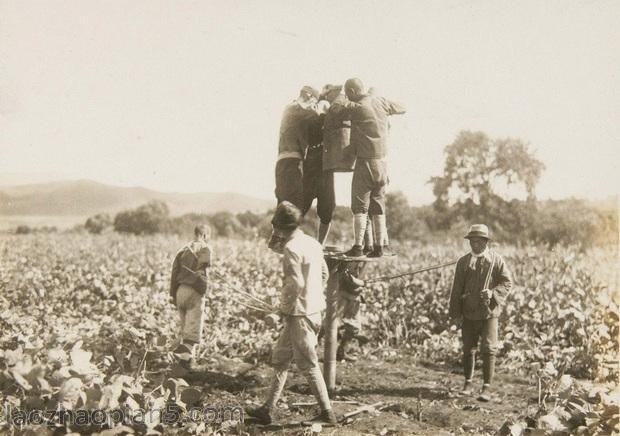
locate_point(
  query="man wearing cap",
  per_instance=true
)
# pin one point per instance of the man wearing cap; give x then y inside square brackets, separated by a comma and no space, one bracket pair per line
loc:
[369,130]
[481,284]
[188,285]
[301,301]
[297,120]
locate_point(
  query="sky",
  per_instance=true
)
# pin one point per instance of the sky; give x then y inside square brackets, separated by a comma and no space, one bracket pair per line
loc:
[187,96]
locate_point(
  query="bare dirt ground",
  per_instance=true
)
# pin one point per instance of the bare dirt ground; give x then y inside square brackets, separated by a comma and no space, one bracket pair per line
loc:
[416,398]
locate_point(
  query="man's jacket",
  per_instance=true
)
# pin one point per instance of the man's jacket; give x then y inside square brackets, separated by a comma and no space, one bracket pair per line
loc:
[466,299]
[189,267]
[369,125]
[295,131]
[305,276]
[337,154]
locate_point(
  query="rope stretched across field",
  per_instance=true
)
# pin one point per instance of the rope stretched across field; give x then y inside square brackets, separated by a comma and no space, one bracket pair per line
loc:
[257,303]
[262,306]
[388,278]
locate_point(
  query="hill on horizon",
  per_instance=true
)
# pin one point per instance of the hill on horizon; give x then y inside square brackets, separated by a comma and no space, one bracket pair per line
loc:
[82,198]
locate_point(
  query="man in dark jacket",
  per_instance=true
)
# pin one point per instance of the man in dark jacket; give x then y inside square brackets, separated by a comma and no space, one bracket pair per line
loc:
[481,284]
[318,183]
[188,285]
[297,120]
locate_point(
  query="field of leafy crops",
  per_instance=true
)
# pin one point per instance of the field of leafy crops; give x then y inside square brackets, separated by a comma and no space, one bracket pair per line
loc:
[85,321]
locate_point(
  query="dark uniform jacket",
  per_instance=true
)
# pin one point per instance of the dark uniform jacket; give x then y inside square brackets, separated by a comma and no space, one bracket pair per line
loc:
[369,125]
[189,267]
[337,153]
[465,298]
[295,130]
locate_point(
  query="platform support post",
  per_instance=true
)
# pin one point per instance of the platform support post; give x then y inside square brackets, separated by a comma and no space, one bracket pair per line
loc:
[331,328]
[337,267]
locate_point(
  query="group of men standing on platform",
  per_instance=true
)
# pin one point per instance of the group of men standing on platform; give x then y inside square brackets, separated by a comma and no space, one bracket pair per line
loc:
[340,129]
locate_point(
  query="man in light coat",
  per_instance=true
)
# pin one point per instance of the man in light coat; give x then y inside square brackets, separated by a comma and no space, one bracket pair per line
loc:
[302,299]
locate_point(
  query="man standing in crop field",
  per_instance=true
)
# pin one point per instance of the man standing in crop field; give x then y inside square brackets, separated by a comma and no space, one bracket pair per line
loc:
[297,119]
[369,131]
[188,285]
[301,301]
[481,284]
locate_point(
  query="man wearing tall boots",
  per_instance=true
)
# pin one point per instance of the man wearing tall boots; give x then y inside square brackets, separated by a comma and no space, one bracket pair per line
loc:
[481,284]
[301,301]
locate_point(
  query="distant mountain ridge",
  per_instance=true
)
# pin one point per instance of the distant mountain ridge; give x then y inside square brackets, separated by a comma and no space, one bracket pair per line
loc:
[85,198]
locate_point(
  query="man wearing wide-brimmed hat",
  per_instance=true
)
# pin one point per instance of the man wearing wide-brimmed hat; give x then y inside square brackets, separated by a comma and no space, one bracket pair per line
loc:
[481,284]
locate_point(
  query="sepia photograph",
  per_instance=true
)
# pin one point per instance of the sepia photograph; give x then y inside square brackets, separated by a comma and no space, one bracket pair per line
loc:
[274,217]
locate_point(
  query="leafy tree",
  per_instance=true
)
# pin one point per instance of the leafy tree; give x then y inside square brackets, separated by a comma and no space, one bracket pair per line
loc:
[249,219]
[226,224]
[402,220]
[98,223]
[475,167]
[573,221]
[147,219]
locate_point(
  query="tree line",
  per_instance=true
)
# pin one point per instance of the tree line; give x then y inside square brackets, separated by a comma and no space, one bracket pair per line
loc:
[485,180]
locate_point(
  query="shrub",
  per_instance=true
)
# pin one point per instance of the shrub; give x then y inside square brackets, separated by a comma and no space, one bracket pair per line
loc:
[23,229]
[147,219]
[98,223]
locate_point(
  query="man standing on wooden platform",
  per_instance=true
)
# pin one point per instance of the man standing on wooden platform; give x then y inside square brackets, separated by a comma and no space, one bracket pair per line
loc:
[294,140]
[301,302]
[481,284]
[317,181]
[369,131]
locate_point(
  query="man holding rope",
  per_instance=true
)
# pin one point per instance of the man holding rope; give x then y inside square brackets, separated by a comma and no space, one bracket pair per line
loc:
[481,284]
[188,285]
[301,301]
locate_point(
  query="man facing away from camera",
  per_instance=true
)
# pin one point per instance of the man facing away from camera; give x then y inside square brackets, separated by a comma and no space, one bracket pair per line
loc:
[302,299]
[295,131]
[369,131]
[318,183]
[481,284]
[188,286]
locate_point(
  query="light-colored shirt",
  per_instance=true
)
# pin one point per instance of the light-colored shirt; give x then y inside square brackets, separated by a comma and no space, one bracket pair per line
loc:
[474,257]
[305,276]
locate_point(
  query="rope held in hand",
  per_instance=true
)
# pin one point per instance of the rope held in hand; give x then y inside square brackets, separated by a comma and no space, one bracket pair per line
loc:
[429,268]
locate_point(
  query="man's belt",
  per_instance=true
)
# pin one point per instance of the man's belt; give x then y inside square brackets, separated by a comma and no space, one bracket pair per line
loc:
[289,154]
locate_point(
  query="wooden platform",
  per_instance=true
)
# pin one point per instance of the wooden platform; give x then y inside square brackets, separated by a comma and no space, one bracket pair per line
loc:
[336,253]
